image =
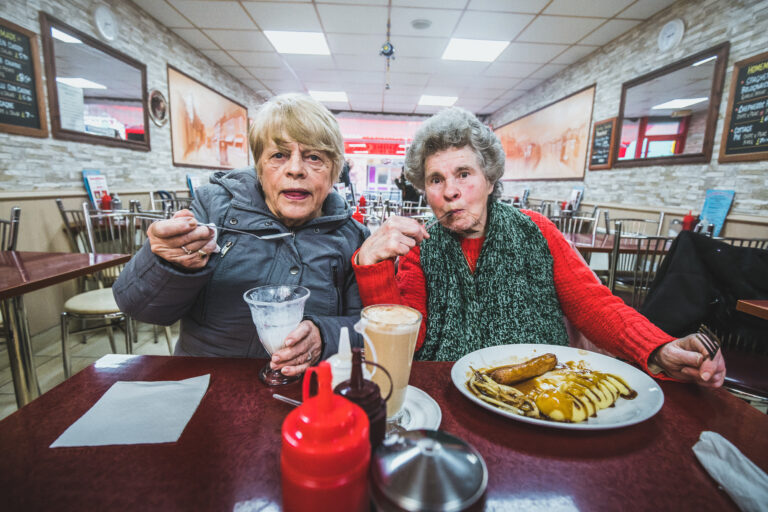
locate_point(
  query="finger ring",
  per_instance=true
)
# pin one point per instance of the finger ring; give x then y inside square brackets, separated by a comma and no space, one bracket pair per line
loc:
[309,356]
[202,254]
[186,250]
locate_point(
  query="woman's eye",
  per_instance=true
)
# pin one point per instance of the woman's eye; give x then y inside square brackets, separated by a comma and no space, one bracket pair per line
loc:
[464,174]
[314,158]
[435,180]
[278,155]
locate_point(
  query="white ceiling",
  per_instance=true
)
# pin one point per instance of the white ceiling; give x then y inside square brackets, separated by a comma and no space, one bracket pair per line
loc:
[546,36]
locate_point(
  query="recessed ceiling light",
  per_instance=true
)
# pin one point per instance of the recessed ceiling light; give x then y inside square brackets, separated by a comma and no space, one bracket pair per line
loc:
[330,96]
[679,103]
[476,50]
[421,24]
[438,101]
[63,36]
[82,83]
[303,43]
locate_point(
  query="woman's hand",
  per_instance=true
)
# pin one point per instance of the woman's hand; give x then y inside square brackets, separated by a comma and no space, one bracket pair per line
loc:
[396,237]
[687,359]
[302,347]
[181,240]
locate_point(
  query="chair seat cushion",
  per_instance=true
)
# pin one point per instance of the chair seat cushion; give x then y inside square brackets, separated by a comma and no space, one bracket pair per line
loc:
[95,302]
[746,372]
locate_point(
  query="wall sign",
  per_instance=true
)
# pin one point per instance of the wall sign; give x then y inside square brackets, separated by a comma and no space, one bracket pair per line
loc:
[745,131]
[603,139]
[22,108]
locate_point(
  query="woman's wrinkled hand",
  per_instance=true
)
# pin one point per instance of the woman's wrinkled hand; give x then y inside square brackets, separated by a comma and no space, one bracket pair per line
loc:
[396,237]
[181,240]
[687,359]
[302,348]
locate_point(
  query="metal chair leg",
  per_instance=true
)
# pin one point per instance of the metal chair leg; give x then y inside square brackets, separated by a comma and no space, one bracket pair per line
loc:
[65,345]
[168,339]
[111,335]
[129,335]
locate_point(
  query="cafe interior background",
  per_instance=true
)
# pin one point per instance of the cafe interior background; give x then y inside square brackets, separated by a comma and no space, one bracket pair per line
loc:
[557,48]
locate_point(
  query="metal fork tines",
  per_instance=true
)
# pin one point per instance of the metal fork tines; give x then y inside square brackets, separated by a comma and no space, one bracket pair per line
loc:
[260,237]
[710,341]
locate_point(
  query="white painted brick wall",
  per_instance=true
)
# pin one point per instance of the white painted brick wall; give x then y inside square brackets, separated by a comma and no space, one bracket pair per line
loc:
[708,22]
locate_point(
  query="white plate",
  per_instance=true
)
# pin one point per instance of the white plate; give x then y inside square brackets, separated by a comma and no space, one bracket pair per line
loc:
[626,412]
[422,410]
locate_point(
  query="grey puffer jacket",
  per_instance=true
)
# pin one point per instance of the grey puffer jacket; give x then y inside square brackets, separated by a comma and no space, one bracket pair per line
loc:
[215,321]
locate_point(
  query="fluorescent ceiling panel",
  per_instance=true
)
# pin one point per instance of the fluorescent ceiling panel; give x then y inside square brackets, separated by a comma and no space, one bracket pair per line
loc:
[437,101]
[679,103]
[302,43]
[476,50]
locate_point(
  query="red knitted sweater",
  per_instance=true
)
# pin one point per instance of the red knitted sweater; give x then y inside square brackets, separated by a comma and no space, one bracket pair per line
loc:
[591,307]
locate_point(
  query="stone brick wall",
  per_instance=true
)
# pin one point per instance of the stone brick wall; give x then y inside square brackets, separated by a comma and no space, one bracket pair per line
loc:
[707,22]
[28,163]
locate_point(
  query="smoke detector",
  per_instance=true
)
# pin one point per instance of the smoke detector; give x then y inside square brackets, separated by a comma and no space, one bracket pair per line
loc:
[421,24]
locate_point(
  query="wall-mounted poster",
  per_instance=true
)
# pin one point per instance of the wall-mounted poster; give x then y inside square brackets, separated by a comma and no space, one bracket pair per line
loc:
[207,129]
[550,143]
[603,140]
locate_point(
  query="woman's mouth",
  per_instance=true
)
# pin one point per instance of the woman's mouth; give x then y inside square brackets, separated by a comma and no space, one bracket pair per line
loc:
[295,194]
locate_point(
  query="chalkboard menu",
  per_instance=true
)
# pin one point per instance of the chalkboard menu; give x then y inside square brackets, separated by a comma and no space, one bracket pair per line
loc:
[603,135]
[22,109]
[745,136]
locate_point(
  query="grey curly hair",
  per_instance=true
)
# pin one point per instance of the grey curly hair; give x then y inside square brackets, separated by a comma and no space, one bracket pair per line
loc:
[455,127]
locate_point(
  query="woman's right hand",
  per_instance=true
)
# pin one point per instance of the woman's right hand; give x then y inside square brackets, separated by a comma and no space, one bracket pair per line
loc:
[181,240]
[396,237]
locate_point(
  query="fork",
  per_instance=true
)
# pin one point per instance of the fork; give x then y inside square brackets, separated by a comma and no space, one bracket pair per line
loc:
[710,341]
[260,237]
[436,220]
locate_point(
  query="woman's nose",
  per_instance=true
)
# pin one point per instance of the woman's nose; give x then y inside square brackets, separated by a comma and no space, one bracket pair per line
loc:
[451,191]
[295,165]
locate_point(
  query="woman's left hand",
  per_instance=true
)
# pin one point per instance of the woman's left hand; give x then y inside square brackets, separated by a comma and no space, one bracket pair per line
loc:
[303,346]
[687,359]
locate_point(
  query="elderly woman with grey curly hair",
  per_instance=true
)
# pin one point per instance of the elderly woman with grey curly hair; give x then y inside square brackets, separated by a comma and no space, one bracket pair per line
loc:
[489,274]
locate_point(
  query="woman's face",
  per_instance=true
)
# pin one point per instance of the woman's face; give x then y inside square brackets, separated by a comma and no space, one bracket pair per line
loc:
[296,180]
[454,182]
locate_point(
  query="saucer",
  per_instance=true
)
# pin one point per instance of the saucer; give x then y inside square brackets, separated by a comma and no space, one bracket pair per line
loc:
[422,411]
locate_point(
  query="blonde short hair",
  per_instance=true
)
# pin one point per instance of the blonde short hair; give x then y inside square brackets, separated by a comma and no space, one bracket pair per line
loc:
[303,119]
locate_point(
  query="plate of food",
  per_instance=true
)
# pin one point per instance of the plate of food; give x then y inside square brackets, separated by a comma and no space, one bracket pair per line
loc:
[556,386]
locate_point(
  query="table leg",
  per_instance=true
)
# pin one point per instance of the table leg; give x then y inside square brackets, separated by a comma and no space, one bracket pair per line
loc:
[20,352]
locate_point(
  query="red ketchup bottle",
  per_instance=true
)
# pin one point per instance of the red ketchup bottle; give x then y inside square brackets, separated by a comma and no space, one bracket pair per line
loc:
[689,221]
[106,202]
[326,451]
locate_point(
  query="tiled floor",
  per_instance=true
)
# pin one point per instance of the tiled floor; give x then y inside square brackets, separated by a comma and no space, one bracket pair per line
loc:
[50,371]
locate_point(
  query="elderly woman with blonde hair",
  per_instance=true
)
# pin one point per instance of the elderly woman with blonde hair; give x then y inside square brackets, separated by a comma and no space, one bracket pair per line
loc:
[190,272]
[489,274]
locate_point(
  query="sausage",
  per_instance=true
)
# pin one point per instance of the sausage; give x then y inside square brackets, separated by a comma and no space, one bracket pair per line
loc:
[513,373]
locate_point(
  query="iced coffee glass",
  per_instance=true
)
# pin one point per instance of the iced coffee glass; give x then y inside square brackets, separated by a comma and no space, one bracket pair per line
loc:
[390,332]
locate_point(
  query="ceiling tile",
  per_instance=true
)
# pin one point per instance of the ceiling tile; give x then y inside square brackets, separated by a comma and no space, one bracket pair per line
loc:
[361,77]
[644,9]
[257,59]
[511,69]
[439,4]
[530,52]
[284,16]
[458,67]
[196,38]
[355,19]
[367,107]
[243,40]
[598,8]
[309,61]
[459,81]
[574,54]
[549,70]
[361,96]
[529,6]
[431,47]
[208,14]
[164,13]
[358,88]
[496,82]
[409,78]
[318,75]
[483,94]
[610,31]
[354,44]
[443,22]
[317,85]
[401,98]
[284,85]
[528,83]
[238,72]
[558,29]
[442,90]
[406,64]
[263,73]
[220,57]
[256,85]
[427,109]
[360,62]
[494,26]
[400,88]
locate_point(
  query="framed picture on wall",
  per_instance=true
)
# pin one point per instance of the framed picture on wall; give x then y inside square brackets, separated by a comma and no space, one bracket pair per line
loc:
[207,129]
[603,140]
[549,143]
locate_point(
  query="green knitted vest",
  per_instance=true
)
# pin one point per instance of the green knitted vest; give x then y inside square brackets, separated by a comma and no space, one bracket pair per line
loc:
[510,298]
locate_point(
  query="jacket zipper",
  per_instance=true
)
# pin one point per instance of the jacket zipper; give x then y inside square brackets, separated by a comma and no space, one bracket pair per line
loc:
[225,249]
[335,273]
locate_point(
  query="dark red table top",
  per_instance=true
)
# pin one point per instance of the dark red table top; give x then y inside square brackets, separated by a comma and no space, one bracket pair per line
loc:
[229,452]
[758,308]
[22,271]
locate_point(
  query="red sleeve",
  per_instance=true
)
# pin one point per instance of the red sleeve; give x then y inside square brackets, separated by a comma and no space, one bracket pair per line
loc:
[379,285]
[592,308]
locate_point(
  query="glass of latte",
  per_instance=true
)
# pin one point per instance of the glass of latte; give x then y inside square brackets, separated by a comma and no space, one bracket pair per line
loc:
[276,311]
[390,332]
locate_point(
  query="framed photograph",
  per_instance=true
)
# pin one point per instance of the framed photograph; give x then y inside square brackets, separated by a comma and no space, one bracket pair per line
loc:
[549,143]
[22,107]
[603,140]
[207,129]
[745,131]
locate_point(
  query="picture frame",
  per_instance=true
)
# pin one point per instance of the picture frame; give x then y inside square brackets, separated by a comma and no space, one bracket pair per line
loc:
[208,129]
[744,136]
[22,99]
[602,144]
[550,143]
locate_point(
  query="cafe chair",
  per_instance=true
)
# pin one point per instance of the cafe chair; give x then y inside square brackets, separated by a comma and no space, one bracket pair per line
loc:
[746,359]
[757,243]
[636,226]
[9,236]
